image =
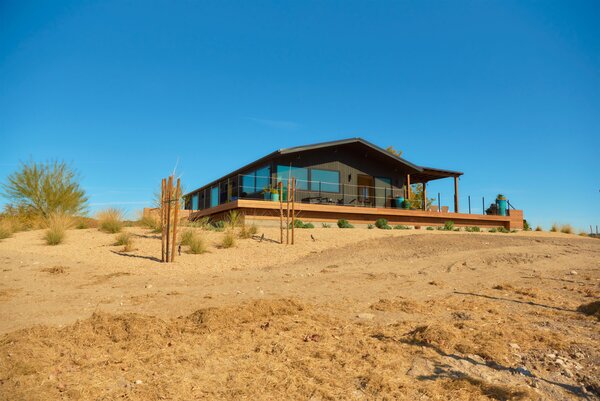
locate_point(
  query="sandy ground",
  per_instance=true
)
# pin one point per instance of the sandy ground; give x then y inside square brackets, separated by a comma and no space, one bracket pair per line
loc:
[351,314]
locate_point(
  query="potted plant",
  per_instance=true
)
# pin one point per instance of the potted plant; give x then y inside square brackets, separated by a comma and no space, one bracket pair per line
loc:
[406,204]
[266,193]
[399,200]
[502,204]
[274,194]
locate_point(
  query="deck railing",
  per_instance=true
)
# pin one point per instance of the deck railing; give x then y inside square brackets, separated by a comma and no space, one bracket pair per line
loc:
[326,193]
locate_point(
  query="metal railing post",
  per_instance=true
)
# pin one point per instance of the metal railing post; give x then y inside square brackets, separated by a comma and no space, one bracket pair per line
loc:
[439,203]
[469,204]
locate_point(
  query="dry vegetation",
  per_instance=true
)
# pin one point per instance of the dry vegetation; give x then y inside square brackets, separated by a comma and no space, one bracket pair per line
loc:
[110,220]
[447,315]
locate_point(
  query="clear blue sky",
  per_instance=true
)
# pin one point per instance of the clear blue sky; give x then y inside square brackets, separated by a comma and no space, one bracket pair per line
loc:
[506,91]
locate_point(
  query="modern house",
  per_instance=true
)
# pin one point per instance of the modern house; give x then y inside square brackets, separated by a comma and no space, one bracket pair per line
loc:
[351,178]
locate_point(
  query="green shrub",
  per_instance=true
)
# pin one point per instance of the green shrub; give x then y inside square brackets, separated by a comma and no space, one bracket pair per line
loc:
[54,236]
[401,227]
[123,239]
[197,245]
[186,237]
[343,223]
[449,225]
[503,230]
[110,220]
[430,228]
[370,226]
[325,225]
[526,226]
[381,223]
[228,240]
[472,229]
[492,230]
[297,224]
[234,218]
[309,225]
[218,225]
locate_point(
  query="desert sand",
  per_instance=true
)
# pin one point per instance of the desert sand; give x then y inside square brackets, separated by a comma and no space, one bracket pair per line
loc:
[351,314]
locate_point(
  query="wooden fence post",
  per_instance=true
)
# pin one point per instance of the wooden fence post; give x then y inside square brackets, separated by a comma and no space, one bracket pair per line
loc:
[175,217]
[280,186]
[163,223]
[293,208]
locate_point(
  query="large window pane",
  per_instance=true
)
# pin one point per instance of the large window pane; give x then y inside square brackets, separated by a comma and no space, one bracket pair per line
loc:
[299,173]
[214,196]
[324,180]
[248,183]
[263,178]
[195,205]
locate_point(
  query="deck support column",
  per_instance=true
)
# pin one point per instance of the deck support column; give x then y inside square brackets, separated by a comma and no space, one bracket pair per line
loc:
[455,194]
[407,186]
[424,195]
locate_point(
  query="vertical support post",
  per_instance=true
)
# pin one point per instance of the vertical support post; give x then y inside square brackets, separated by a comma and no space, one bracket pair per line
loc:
[293,208]
[280,185]
[408,186]
[169,195]
[455,194]
[482,205]
[163,223]
[175,218]
[469,204]
[439,203]
[424,195]
[287,214]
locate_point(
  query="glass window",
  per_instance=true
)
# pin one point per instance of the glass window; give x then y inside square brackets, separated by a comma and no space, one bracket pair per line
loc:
[324,180]
[263,178]
[214,196]
[195,205]
[299,173]
[248,183]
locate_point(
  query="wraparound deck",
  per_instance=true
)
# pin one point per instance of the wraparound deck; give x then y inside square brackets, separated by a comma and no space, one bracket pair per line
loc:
[262,210]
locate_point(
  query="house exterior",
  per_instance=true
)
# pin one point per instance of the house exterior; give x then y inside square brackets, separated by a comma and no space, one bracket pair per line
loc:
[350,178]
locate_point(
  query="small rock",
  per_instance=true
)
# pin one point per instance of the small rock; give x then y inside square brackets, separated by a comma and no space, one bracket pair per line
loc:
[573,273]
[560,362]
[139,382]
[551,356]
[568,373]
[514,346]
[365,316]
[148,285]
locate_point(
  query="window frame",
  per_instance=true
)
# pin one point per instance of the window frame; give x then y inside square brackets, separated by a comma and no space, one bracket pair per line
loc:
[339,182]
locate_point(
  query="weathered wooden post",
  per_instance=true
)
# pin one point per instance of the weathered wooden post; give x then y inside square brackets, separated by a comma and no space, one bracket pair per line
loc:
[287,214]
[293,208]
[280,187]
[175,218]
[163,224]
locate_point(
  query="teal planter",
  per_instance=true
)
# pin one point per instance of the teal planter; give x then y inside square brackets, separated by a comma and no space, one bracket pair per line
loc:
[267,196]
[275,197]
[502,206]
[399,201]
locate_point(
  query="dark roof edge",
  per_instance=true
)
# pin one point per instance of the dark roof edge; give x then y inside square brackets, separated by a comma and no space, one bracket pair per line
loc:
[443,171]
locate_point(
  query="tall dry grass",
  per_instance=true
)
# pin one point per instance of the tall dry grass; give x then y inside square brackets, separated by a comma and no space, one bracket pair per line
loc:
[110,220]
[566,229]
[150,221]
[5,230]
[125,239]
[57,225]
[228,240]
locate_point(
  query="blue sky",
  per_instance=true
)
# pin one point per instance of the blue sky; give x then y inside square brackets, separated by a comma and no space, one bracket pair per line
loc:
[508,92]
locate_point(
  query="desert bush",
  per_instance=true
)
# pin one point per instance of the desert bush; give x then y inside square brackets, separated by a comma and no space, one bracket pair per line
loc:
[110,220]
[538,228]
[151,221]
[566,229]
[472,229]
[253,229]
[325,225]
[45,189]
[401,227]
[493,230]
[503,230]
[197,245]
[57,225]
[381,223]
[301,224]
[123,239]
[245,233]
[526,226]
[186,237]
[228,240]
[370,226]
[234,218]
[309,225]
[449,225]
[343,223]
[5,230]
[456,229]
[218,225]
[430,228]
[554,228]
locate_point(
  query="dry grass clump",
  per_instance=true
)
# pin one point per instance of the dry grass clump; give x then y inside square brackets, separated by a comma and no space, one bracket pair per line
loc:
[437,336]
[193,240]
[554,228]
[538,228]
[5,230]
[228,240]
[234,218]
[150,221]
[566,229]
[125,239]
[110,220]
[57,225]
